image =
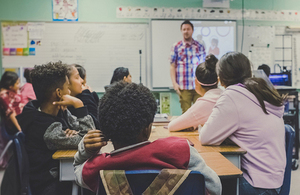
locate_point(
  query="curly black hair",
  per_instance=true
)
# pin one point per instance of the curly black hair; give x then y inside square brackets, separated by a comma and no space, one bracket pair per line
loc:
[47,78]
[125,110]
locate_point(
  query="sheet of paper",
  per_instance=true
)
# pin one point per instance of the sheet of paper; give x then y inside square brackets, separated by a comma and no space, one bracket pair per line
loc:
[15,36]
[36,30]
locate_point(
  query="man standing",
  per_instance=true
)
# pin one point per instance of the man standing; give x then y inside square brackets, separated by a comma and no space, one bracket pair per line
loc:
[186,55]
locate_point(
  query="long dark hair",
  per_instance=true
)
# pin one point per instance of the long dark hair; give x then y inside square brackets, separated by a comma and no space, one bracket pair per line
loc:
[206,72]
[81,70]
[119,74]
[8,79]
[235,67]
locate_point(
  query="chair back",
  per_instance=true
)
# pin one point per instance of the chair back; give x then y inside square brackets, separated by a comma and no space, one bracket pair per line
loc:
[289,143]
[140,180]
[16,176]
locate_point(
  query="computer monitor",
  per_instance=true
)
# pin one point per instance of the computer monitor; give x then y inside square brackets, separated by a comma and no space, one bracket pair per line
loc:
[283,78]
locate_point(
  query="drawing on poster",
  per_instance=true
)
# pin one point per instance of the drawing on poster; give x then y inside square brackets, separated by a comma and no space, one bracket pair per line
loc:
[65,10]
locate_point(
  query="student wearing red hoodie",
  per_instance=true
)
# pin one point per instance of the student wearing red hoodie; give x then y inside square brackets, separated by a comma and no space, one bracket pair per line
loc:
[126,113]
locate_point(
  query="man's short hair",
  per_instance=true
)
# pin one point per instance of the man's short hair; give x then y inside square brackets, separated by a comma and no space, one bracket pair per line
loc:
[47,78]
[265,68]
[187,22]
[125,110]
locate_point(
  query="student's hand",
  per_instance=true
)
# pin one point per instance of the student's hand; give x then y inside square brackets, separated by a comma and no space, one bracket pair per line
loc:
[176,88]
[68,100]
[93,141]
[84,87]
[70,133]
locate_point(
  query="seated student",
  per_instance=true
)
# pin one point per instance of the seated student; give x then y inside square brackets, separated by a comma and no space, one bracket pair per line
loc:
[120,74]
[49,126]
[11,102]
[265,68]
[81,91]
[27,89]
[126,113]
[206,85]
[249,113]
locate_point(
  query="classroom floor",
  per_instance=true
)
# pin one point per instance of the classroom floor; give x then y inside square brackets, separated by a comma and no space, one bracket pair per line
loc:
[295,187]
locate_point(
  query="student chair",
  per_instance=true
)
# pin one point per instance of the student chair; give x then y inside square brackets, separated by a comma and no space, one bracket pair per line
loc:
[16,176]
[139,180]
[289,143]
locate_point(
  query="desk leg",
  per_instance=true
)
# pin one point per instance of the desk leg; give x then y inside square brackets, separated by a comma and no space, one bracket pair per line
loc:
[237,186]
[74,188]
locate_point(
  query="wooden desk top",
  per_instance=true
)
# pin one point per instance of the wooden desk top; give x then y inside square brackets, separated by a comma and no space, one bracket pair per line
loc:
[221,165]
[193,136]
[215,160]
[64,154]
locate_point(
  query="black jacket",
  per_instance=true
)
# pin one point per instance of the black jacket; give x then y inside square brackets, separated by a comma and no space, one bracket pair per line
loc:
[44,134]
[91,101]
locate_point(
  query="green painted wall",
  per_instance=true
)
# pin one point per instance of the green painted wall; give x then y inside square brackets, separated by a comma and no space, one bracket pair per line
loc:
[105,11]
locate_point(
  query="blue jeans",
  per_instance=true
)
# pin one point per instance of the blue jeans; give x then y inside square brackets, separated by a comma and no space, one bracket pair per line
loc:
[248,189]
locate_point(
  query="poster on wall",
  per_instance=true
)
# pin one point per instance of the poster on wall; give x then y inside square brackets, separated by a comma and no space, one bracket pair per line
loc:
[216,3]
[65,10]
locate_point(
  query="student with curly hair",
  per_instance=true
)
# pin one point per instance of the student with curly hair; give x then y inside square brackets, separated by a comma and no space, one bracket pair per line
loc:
[206,85]
[126,113]
[49,126]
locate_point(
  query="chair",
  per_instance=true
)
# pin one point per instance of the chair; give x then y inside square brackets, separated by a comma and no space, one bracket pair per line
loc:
[139,180]
[289,143]
[16,177]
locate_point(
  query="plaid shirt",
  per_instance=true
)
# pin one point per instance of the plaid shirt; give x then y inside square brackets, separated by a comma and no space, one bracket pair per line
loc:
[186,58]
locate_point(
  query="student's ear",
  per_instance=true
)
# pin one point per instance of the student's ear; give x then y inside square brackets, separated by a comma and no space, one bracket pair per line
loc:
[58,93]
[219,81]
[147,132]
[124,78]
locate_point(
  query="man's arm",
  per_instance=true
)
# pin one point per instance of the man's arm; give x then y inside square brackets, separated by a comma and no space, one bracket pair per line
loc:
[173,78]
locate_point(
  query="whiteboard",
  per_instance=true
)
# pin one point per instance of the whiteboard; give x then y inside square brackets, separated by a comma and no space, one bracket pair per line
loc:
[99,47]
[164,33]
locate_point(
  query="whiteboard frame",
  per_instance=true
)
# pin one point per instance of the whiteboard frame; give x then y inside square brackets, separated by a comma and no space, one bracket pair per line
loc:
[147,80]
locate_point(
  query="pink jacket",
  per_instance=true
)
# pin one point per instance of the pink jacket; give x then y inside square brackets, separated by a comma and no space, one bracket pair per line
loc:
[238,115]
[198,113]
[27,92]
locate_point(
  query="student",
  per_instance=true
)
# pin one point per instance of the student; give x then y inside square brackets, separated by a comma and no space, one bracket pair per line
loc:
[265,68]
[249,113]
[79,90]
[11,101]
[48,126]
[27,89]
[120,74]
[206,82]
[126,113]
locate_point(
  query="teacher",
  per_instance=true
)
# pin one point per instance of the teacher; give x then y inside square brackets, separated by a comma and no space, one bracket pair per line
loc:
[186,55]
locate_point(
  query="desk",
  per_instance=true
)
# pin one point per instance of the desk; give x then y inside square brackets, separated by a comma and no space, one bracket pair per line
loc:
[223,167]
[214,156]
[231,152]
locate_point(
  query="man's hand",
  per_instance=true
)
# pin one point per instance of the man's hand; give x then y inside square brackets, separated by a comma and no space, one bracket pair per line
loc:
[93,141]
[68,100]
[176,88]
